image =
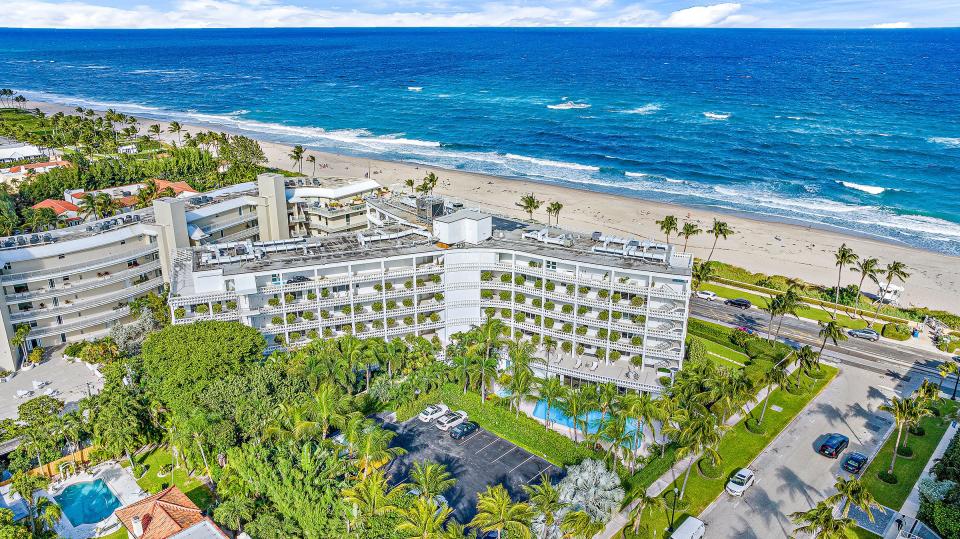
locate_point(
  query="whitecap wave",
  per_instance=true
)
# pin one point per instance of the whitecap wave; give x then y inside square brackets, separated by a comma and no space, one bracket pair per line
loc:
[949,142]
[549,163]
[635,174]
[415,88]
[716,115]
[567,105]
[649,108]
[871,189]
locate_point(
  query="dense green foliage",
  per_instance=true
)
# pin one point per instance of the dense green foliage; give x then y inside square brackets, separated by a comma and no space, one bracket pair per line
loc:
[944,513]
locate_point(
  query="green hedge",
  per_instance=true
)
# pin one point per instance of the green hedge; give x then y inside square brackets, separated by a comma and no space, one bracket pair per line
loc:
[897,332]
[497,418]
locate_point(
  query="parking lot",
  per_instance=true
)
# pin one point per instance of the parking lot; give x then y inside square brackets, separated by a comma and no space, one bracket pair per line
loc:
[479,460]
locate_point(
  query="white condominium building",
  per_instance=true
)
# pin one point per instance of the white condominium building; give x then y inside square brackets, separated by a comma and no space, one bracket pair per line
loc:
[75,283]
[598,308]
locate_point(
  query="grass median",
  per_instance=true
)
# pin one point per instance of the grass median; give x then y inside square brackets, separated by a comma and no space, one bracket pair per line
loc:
[738,449]
[907,470]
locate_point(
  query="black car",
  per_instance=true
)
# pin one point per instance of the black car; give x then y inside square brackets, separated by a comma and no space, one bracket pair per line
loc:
[855,463]
[463,430]
[298,279]
[739,303]
[834,445]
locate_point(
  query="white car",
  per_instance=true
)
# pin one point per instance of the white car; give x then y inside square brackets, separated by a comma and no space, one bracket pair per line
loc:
[740,482]
[707,295]
[451,419]
[432,412]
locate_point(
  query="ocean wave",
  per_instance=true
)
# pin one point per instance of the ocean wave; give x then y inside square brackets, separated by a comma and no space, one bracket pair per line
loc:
[871,189]
[567,105]
[161,72]
[549,163]
[649,108]
[415,88]
[949,142]
[716,115]
[635,174]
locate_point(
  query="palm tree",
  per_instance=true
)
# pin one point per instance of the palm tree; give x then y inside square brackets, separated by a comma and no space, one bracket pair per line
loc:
[312,159]
[155,131]
[431,479]
[234,512]
[948,369]
[635,520]
[774,307]
[497,512]
[529,203]
[579,525]
[424,520]
[807,360]
[699,434]
[551,390]
[297,156]
[688,231]
[291,423]
[329,407]
[820,522]
[917,409]
[372,495]
[175,128]
[790,302]
[410,183]
[40,219]
[545,500]
[554,209]
[702,274]
[644,410]
[894,270]
[25,485]
[831,331]
[374,448]
[48,514]
[901,410]
[668,225]
[852,493]
[867,268]
[844,257]
[775,375]
[520,387]
[576,404]
[718,229]
[489,335]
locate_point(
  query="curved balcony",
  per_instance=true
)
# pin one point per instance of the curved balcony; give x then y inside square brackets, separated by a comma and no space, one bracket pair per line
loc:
[85,322]
[61,271]
[81,286]
[87,302]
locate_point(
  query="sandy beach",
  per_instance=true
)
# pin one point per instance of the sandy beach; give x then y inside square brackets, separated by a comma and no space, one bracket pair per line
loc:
[758,245]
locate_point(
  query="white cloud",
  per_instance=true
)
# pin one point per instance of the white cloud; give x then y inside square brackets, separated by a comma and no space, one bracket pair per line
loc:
[901,24]
[699,16]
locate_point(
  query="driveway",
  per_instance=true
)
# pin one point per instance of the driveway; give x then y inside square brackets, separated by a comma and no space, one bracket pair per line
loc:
[791,476]
[477,461]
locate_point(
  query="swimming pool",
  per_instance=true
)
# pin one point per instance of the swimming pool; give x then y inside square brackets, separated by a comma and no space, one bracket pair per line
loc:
[593,418]
[87,503]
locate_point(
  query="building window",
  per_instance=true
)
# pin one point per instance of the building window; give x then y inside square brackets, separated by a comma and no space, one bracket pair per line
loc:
[230,284]
[552,265]
[348,219]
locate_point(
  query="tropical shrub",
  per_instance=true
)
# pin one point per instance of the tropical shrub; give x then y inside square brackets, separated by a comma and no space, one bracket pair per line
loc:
[898,332]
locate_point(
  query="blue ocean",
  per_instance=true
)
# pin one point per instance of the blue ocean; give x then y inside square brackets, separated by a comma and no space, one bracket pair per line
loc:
[858,130]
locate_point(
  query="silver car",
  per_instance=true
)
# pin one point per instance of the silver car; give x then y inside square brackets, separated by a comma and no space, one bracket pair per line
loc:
[740,482]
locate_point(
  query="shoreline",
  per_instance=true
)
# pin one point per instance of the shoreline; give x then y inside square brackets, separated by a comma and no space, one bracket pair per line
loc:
[762,243]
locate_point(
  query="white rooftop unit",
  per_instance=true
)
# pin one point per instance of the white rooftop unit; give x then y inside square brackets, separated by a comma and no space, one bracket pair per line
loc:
[464,226]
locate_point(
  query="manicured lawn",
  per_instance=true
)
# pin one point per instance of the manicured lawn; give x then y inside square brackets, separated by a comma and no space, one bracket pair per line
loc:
[152,483]
[738,448]
[907,470]
[860,533]
[498,419]
[812,313]
[726,356]
[119,534]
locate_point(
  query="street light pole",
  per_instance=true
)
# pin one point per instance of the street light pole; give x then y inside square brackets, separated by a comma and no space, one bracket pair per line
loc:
[673,510]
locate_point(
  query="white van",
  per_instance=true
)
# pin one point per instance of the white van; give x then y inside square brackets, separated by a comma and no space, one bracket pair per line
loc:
[692,528]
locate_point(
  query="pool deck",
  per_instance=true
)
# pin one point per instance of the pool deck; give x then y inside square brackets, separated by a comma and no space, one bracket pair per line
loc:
[120,482]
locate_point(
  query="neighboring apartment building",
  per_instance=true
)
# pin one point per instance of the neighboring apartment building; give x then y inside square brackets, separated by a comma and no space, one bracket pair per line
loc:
[75,283]
[607,308]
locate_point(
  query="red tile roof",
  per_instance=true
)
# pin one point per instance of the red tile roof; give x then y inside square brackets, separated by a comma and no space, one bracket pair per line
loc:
[178,187]
[32,166]
[162,515]
[127,201]
[58,206]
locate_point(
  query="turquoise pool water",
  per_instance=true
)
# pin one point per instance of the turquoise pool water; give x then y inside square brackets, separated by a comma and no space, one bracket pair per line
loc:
[594,418]
[87,503]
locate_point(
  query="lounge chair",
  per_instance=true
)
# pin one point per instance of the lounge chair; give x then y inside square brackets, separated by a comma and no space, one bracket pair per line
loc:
[579,362]
[594,365]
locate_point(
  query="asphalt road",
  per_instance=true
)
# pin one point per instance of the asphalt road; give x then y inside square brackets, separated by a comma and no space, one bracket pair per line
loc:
[791,475]
[877,356]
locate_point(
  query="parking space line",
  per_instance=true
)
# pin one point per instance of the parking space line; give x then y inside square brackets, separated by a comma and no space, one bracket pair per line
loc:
[495,440]
[521,464]
[540,473]
[505,454]
[468,438]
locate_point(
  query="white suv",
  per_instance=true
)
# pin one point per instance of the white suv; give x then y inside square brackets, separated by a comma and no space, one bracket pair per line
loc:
[432,412]
[451,419]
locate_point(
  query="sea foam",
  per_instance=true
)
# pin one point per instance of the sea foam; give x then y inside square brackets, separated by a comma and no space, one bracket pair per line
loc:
[717,115]
[950,142]
[649,108]
[872,189]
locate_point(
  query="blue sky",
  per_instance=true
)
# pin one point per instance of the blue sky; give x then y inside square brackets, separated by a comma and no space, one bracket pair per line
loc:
[326,13]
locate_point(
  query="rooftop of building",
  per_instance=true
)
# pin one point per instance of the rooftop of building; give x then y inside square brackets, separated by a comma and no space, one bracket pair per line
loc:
[301,189]
[403,240]
[168,513]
